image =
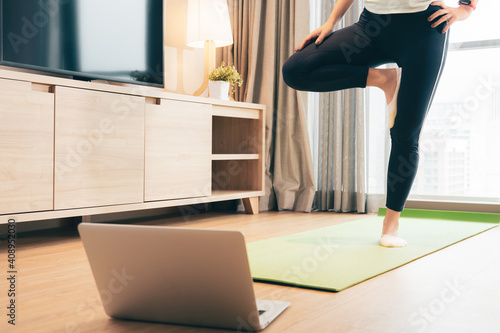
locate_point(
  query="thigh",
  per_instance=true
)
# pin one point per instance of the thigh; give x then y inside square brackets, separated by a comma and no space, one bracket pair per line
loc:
[422,66]
[347,46]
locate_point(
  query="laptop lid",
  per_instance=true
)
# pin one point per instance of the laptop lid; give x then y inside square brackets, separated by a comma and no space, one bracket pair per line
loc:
[173,275]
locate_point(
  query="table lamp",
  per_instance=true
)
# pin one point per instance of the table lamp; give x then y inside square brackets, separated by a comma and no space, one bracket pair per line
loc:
[208,26]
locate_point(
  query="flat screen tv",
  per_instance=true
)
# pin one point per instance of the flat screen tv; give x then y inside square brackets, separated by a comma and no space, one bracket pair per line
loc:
[114,40]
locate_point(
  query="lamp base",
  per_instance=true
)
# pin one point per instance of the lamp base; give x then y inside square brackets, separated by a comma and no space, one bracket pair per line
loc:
[209,65]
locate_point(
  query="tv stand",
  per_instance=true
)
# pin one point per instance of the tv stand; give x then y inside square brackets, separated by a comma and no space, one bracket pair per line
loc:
[73,148]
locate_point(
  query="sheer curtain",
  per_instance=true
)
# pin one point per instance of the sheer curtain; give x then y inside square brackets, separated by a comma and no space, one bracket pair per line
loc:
[340,118]
[265,34]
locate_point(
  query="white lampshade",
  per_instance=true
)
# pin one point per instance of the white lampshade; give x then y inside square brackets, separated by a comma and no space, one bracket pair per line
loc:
[208,20]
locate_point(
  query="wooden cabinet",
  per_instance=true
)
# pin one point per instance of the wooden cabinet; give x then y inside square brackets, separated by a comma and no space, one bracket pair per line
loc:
[71,148]
[178,150]
[99,148]
[26,147]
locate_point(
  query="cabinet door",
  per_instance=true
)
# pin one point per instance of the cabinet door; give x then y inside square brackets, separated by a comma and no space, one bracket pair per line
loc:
[178,150]
[26,148]
[99,148]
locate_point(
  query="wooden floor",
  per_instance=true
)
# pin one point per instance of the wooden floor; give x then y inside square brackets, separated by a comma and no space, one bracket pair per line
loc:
[454,290]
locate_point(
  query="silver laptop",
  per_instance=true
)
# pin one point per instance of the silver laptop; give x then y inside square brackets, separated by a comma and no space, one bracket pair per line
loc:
[176,275]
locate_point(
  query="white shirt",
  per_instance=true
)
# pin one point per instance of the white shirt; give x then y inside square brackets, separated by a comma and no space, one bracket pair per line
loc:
[396,6]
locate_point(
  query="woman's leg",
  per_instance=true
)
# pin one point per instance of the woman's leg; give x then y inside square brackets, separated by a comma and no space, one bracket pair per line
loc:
[342,61]
[422,62]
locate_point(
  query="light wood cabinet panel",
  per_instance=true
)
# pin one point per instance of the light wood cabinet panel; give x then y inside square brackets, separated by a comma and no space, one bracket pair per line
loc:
[235,112]
[99,148]
[26,148]
[178,150]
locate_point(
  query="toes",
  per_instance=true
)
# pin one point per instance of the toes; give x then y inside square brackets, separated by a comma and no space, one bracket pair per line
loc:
[392,241]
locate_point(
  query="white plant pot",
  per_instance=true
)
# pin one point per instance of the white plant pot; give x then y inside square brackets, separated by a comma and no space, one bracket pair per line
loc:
[218,89]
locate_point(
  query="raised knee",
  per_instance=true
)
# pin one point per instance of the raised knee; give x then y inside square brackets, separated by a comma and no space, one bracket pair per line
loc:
[292,75]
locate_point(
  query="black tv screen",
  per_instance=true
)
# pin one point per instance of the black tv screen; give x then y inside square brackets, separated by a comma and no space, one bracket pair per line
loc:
[116,40]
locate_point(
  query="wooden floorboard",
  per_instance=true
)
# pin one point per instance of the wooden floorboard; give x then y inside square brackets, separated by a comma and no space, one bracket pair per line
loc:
[453,290]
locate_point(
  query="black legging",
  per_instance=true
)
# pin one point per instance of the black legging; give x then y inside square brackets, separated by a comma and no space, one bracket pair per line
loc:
[343,59]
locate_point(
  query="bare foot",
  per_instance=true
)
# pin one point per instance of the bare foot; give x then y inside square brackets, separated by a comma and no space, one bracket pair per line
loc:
[392,241]
[385,79]
[390,227]
[392,106]
[392,85]
[390,237]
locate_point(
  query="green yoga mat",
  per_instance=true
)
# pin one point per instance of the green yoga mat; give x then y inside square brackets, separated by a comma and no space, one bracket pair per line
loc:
[337,257]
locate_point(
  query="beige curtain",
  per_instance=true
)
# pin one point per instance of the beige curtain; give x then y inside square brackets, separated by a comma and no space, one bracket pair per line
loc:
[265,34]
[341,158]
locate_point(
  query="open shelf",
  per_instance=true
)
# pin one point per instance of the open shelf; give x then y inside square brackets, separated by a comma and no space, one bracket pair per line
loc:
[237,150]
[238,175]
[236,135]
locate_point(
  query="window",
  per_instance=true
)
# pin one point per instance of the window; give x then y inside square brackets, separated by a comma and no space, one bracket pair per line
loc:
[460,141]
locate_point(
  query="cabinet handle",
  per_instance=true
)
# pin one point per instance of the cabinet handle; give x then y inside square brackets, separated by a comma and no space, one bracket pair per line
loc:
[153,101]
[42,87]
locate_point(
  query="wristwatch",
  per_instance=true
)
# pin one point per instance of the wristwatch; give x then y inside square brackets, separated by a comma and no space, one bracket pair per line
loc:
[467,3]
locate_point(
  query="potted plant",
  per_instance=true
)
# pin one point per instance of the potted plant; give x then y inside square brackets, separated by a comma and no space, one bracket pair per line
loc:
[221,79]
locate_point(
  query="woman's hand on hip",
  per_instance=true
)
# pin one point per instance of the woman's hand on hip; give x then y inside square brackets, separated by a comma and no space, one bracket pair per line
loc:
[449,15]
[318,35]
